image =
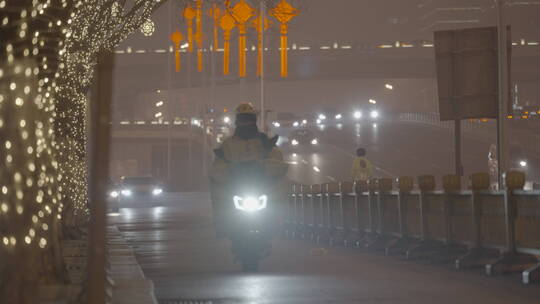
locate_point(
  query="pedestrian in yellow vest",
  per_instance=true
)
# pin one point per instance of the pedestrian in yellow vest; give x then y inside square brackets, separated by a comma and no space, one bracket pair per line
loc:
[362,168]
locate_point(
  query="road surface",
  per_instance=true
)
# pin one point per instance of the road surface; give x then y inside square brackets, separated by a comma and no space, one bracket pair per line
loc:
[177,249]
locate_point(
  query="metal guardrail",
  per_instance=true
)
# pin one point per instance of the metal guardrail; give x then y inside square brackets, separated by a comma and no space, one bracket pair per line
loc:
[497,230]
[483,129]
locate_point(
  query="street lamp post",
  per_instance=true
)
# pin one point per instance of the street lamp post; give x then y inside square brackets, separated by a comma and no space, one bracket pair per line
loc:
[263,116]
[502,59]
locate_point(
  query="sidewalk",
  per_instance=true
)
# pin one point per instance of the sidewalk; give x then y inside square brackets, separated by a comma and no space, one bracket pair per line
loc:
[129,285]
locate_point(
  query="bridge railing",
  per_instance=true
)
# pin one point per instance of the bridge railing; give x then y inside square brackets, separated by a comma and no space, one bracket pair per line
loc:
[478,127]
[498,230]
[485,129]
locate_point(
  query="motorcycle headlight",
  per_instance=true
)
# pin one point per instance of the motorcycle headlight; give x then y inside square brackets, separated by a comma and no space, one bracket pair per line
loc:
[157,191]
[250,203]
[126,192]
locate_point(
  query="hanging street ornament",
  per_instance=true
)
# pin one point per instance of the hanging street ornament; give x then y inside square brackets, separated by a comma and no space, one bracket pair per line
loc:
[199,35]
[176,38]
[284,12]
[148,28]
[215,13]
[242,12]
[189,15]
[227,24]
[260,27]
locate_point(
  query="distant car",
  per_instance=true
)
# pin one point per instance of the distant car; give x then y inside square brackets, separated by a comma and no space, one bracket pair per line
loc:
[140,186]
[286,120]
[303,137]
[113,196]
[367,113]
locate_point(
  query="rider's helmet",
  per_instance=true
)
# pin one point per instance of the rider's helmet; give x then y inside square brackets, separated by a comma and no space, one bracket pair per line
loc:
[245,113]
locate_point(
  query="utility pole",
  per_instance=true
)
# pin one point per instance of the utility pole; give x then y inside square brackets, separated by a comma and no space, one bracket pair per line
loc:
[263,112]
[169,100]
[502,58]
[100,114]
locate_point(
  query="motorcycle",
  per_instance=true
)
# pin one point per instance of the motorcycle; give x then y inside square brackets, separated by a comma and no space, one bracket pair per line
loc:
[249,214]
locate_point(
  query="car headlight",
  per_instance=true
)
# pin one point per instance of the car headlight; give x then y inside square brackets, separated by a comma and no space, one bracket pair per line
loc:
[126,192]
[296,124]
[157,191]
[294,142]
[250,203]
[314,141]
[374,114]
[339,116]
[114,194]
[357,115]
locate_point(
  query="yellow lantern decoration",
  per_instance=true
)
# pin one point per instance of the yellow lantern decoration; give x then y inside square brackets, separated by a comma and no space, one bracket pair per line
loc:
[256,23]
[227,24]
[189,15]
[199,35]
[284,12]
[242,12]
[215,14]
[176,38]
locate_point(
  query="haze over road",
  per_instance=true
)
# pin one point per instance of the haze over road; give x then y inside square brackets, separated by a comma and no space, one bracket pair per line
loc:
[178,250]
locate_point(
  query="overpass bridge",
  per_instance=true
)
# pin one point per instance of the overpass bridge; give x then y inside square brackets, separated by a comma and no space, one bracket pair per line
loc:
[393,60]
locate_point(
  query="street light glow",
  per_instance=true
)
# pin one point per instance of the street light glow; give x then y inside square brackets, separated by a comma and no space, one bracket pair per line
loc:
[339,116]
[357,115]
[158,114]
[523,163]
[372,101]
[389,86]
[374,114]
[316,169]
[322,116]
[159,103]
[226,119]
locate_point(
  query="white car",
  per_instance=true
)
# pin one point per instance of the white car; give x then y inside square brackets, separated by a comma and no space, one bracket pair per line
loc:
[139,187]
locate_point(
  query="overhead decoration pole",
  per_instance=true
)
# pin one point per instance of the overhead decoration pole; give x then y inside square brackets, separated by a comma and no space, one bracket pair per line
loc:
[176,38]
[199,35]
[215,14]
[227,24]
[284,12]
[189,15]
[242,12]
[261,27]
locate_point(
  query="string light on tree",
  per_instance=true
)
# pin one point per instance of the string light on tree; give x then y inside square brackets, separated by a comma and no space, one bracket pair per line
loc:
[148,28]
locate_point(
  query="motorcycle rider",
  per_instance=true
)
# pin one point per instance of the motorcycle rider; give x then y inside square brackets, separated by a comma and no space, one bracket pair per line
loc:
[247,145]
